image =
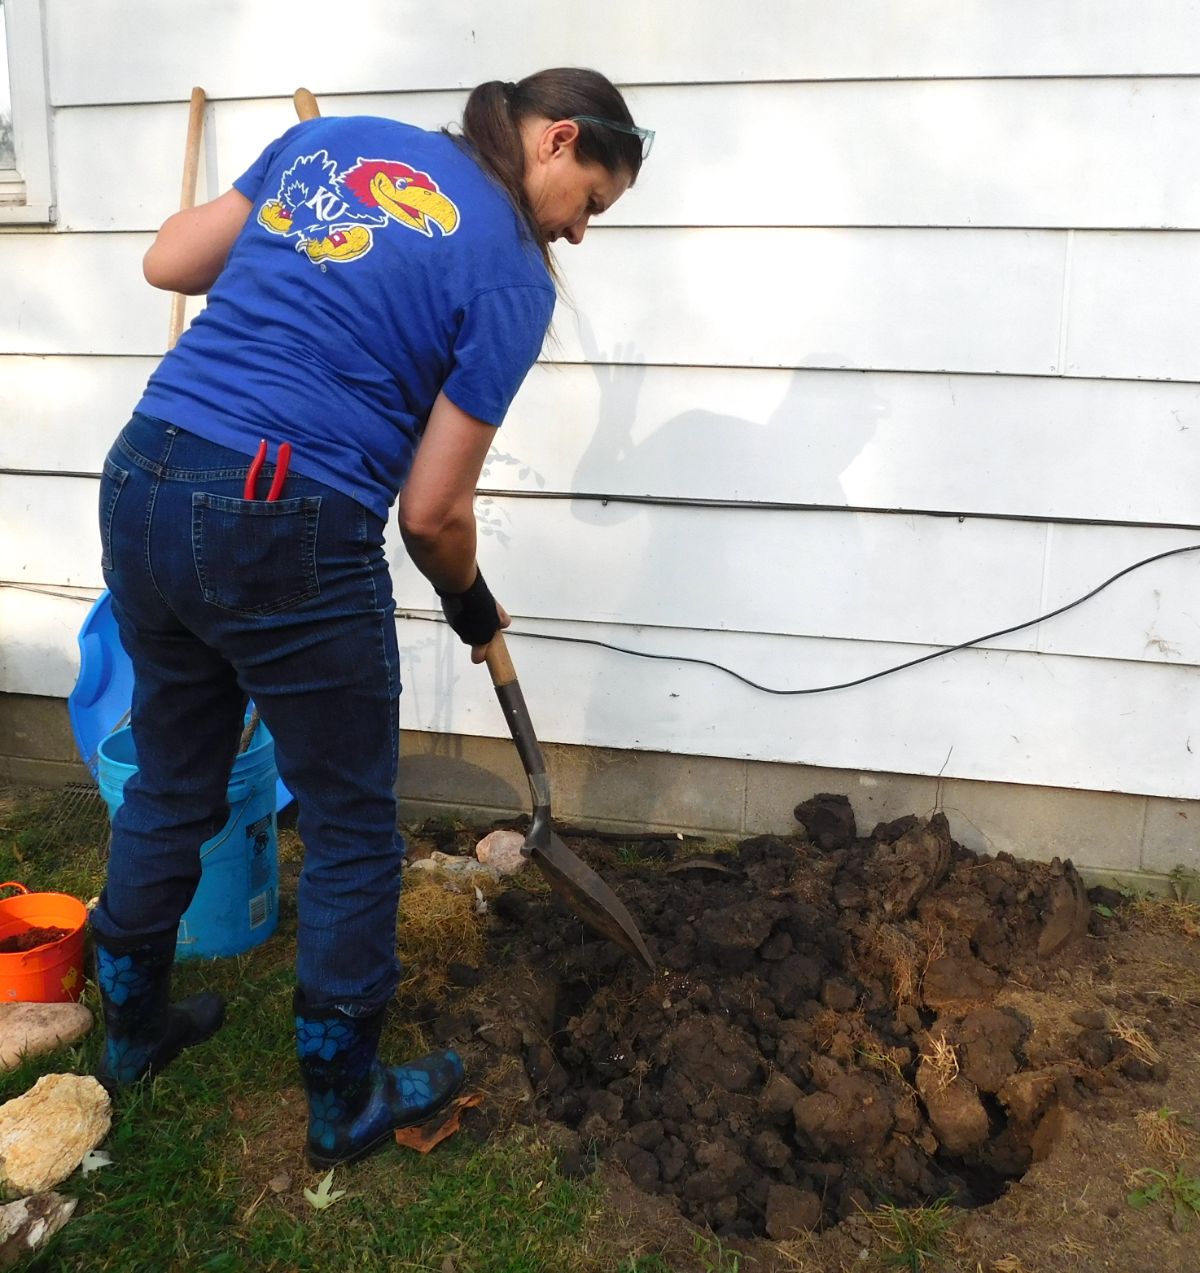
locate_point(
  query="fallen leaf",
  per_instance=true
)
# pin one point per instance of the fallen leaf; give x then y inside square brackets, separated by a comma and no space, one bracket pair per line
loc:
[324,1195]
[93,1160]
[426,1135]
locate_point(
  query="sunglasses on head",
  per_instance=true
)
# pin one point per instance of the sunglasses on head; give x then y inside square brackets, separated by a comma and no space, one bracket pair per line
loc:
[646,134]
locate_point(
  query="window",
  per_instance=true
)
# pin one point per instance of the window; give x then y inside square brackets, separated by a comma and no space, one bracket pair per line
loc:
[25,192]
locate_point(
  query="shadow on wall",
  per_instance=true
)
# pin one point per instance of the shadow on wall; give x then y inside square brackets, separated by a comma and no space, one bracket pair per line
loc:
[741,451]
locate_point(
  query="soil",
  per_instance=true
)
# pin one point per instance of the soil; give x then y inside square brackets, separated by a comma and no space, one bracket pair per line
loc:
[839,1021]
[30,939]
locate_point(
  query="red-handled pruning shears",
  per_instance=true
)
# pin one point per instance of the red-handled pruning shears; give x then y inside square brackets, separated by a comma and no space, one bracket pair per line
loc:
[282,459]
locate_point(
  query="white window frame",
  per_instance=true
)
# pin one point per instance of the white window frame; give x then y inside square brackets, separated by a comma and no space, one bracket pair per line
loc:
[26,193]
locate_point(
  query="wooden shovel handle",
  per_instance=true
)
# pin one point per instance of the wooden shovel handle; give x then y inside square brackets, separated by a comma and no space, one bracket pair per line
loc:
[305,104]
[499,664]
[187,196]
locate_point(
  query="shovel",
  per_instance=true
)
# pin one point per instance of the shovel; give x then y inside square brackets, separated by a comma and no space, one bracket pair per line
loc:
[582,889]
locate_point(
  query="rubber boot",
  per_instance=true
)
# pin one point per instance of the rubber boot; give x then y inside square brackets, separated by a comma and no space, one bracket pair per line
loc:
[355,1102]
[144,1031]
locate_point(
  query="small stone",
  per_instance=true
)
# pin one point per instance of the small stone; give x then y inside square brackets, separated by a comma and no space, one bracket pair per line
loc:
[45,1133]
[32,1029]
[453,868]
[25,1226]
[502,850]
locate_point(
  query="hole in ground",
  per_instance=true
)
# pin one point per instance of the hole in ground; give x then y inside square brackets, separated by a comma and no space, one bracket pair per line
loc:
[821,1035]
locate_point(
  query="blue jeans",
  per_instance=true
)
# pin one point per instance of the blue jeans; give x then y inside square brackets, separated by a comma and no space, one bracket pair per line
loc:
[290,603]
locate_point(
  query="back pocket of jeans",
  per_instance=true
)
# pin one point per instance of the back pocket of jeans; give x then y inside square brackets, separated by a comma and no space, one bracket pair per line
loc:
[255,557]
[110,491]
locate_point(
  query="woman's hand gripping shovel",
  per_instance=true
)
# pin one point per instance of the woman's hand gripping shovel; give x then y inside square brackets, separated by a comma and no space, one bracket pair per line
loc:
[582,889]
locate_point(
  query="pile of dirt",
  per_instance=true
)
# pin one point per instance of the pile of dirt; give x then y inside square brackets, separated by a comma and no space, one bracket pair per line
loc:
[835,1021]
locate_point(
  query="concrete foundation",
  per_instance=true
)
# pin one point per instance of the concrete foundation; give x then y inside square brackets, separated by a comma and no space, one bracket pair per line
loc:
[1124,839]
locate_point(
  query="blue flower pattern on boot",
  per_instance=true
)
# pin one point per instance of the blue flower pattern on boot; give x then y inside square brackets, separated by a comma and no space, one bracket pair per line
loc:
[119,976]
[321,1038]
[416,1090]
[127,1059]
[324,1113]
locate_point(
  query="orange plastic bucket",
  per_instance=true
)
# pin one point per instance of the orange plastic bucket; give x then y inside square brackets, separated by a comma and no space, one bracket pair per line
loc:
[52,972]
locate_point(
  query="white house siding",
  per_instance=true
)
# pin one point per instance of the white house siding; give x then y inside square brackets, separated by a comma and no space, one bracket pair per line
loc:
[911,289]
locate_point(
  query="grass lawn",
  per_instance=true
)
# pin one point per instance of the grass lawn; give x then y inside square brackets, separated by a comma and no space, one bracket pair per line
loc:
[208,1172]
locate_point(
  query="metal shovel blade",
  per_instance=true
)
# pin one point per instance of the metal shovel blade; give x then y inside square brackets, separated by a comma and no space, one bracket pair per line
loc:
[582,889]
[585,892]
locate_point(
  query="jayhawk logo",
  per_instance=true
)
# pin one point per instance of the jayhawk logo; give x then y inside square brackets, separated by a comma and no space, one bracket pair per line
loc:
[333,216]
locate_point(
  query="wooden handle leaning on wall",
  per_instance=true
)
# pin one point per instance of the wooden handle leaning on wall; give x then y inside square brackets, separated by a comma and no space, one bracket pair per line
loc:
[187,195]
[305,104]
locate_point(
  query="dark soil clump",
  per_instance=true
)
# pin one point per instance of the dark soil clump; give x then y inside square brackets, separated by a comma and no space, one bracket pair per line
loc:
[30,939]
[836,1021]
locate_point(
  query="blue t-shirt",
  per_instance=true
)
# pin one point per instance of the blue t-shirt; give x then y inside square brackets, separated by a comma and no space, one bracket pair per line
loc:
[379,266]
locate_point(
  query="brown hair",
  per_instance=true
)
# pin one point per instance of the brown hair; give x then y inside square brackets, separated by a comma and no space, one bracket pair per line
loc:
[491,127]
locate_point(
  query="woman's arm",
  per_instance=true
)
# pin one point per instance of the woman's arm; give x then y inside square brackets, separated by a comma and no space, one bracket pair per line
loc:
[437,504]
[190,249]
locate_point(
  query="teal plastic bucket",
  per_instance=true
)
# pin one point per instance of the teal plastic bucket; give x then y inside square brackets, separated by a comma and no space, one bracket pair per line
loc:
[236,905]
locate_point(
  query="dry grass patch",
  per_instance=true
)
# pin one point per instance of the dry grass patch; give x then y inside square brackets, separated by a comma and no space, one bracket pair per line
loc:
[1168,917]
[1165,1134]
[438,926]
[1139,1044]
[943,1059]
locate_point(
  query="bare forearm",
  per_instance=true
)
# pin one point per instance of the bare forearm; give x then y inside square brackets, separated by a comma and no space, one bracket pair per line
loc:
[445,557]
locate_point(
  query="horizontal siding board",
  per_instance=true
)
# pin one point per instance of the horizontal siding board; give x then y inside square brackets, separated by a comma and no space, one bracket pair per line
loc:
[62,413]
[850,577]
[1046,153]
[931,300]
[985,715]
[1039,447]
[1151,612]
[918,580]
[1134,306]
[966,300]
[1042,447]
[80,294]
[237,49]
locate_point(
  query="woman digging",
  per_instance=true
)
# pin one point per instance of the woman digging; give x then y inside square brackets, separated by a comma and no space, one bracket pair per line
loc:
[376,296]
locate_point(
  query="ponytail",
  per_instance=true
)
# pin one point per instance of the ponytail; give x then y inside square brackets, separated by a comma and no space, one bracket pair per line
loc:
[491,128]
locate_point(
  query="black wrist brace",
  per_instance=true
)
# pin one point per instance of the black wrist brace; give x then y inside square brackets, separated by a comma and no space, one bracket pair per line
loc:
[472,614]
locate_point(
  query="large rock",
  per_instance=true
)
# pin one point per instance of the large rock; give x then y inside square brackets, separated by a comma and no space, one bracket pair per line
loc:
[27,1225]
[31,1029]
[502,850]
[45,1133]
